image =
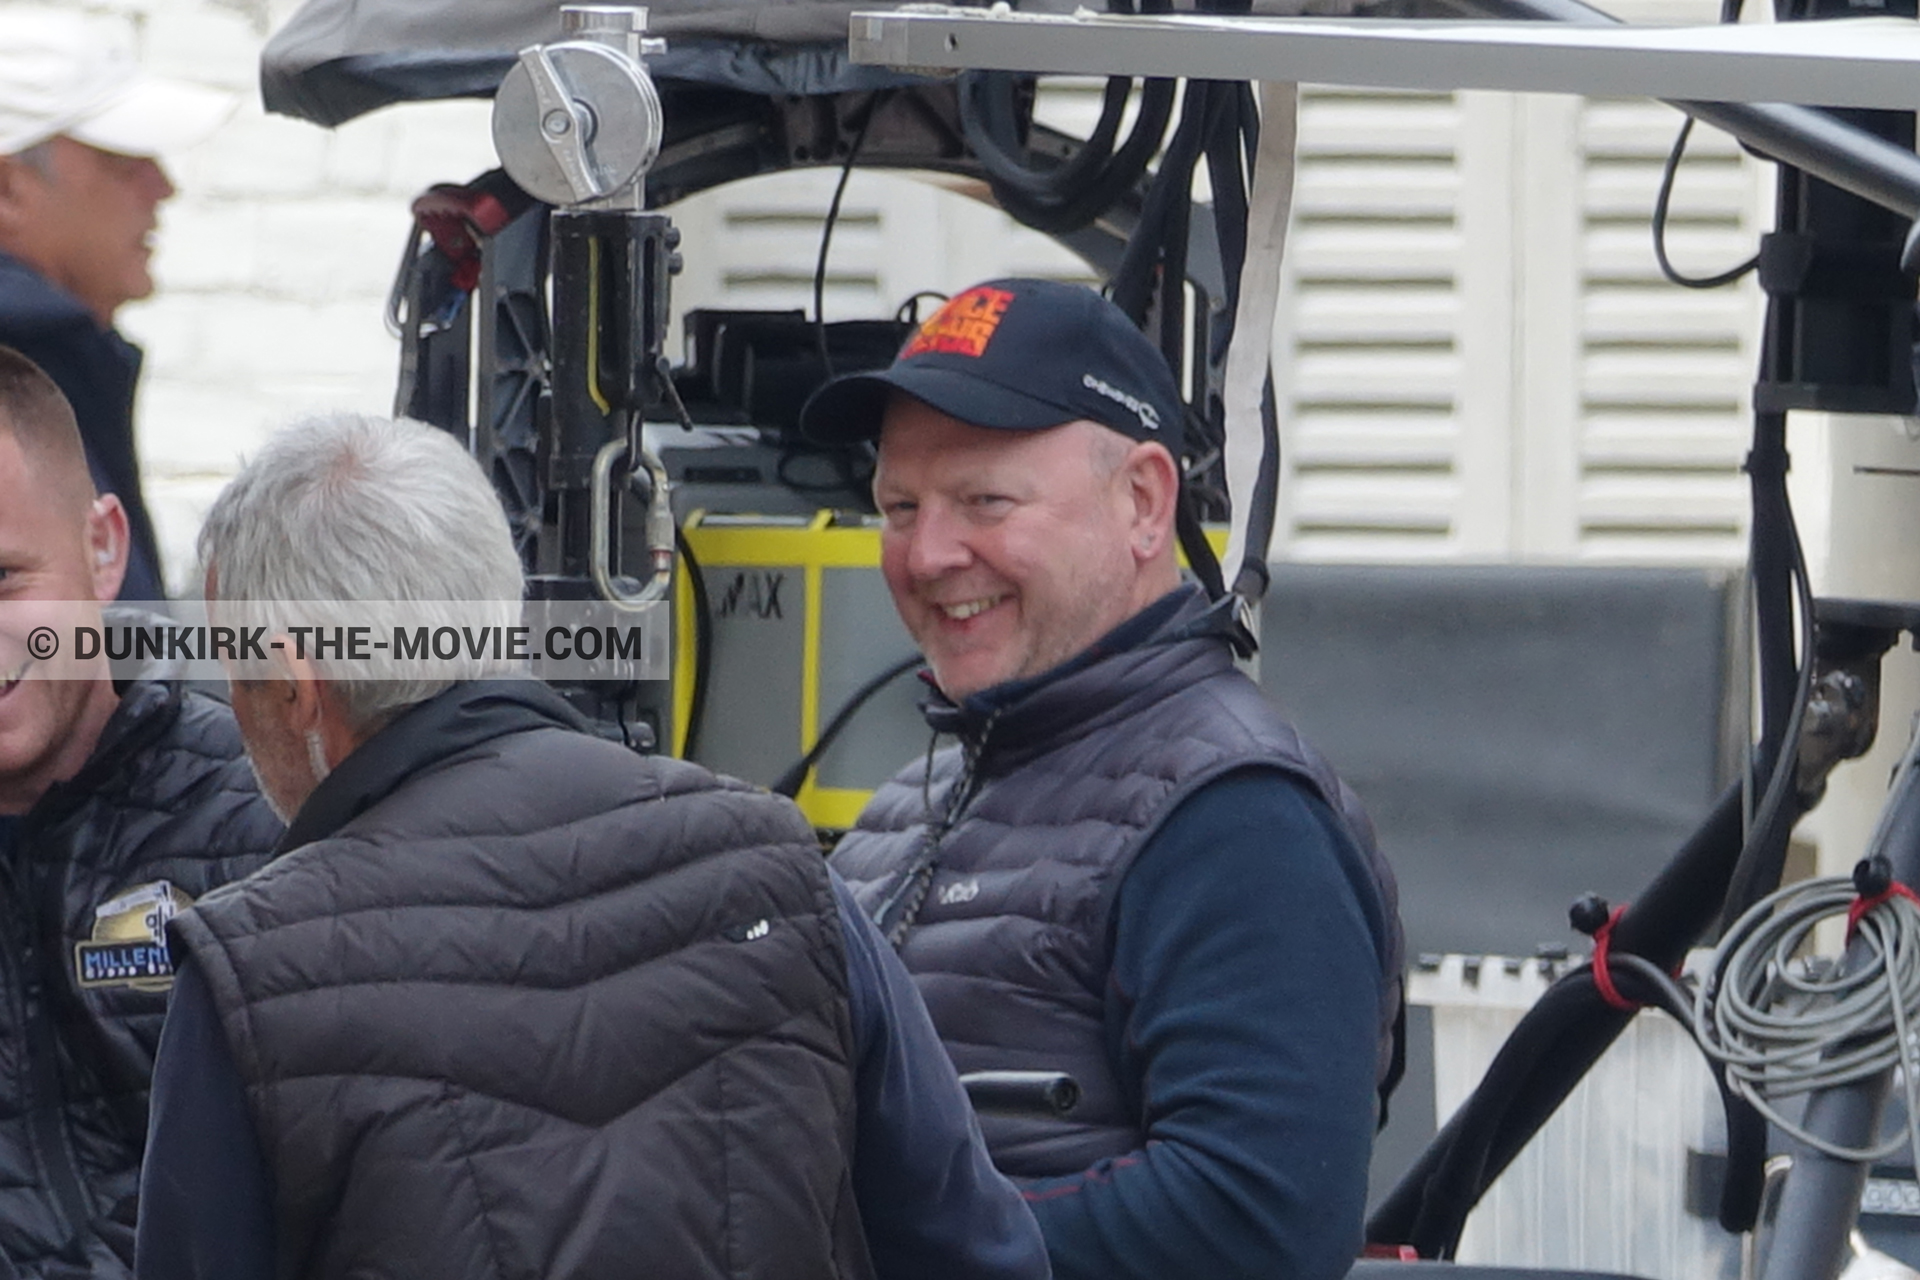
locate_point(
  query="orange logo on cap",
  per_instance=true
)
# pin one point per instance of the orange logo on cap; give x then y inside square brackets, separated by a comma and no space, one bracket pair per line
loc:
[964,325]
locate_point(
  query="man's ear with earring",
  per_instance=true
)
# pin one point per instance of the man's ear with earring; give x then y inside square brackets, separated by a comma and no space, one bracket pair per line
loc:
[107,533]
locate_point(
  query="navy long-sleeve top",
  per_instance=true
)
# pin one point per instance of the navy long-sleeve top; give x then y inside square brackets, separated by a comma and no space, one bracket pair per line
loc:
[1242,1011]
[932,1204]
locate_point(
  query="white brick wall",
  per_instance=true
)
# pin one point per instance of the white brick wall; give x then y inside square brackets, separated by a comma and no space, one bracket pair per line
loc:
[274,259]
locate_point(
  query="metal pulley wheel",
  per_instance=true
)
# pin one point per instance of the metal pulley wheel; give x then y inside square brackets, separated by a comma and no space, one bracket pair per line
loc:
[576,122]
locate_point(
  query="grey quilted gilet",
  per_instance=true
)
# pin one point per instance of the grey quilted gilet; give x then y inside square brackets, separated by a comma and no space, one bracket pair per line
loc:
[547,1009]
[994,866]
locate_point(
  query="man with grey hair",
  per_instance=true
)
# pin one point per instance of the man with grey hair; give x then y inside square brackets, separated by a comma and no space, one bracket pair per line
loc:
[307,523]
[516,1000]
[80,182]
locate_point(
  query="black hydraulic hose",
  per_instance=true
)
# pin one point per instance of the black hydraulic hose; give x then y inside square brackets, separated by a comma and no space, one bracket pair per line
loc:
[1831,150]
[1556,1043]
[1804,137]
[789,783]
[1205,116]
[1173,301]
[1229,160]
[1134,279]
[1466,1165]
[991,121]
[1745,1180]
[1780,583]
[1172,235]
[1060,214]
[1230,154]
[1062,196]
[1084,185]
[702,647]
[1250,580]
[996,93]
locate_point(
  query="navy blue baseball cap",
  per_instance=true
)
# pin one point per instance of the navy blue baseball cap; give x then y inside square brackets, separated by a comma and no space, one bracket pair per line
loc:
[1019,355]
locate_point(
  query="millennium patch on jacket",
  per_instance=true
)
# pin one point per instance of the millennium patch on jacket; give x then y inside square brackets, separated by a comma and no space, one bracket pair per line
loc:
[129,943]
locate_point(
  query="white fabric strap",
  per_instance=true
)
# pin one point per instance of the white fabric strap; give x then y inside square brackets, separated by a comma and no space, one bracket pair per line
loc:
[1251,352]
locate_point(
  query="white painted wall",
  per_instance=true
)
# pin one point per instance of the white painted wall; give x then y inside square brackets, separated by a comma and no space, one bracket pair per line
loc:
[274,258]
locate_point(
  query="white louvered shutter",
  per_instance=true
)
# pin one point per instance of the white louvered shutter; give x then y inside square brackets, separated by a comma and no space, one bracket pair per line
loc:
[1476,356]
[1374,340]
[1666,372]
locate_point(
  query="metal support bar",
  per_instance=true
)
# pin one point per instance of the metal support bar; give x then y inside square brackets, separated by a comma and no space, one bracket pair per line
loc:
[1852,63]
[1829,149]
[1822,1194]
[1832,150]
[1560,46]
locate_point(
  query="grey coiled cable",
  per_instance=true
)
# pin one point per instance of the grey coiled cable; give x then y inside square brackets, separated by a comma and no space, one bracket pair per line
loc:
[1782,1027]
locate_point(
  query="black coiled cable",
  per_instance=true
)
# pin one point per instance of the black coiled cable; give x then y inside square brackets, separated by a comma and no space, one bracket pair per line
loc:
[1053,195]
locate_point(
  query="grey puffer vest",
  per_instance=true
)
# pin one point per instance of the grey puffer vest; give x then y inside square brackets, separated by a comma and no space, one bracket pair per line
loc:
[994,866]
[538,1007]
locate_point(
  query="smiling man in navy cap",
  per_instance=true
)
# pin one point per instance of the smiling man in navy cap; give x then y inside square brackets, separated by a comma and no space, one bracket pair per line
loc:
[1130,868]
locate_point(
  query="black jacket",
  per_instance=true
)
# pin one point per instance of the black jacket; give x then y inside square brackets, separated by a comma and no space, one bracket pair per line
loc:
[96,370]
[519,1003]
[164,811]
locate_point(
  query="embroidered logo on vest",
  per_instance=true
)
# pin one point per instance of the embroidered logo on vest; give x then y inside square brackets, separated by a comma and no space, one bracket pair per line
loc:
[129,943]
[959,891]
[747,932]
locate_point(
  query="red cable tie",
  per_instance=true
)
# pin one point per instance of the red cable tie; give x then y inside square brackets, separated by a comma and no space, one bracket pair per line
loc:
[1861,906]
[1602,974]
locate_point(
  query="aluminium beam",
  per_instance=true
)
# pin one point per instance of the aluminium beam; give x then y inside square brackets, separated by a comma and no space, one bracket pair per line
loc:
[1854,62]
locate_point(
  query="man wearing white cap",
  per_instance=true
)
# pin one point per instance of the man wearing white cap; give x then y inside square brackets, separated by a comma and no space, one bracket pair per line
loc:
[80,130]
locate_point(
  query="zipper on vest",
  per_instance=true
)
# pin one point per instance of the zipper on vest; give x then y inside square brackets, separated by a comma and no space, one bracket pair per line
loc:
[916,881]
[46,1100]
[46,1117]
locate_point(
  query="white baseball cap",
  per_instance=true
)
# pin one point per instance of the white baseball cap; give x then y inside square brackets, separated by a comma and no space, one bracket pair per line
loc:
[60,74]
